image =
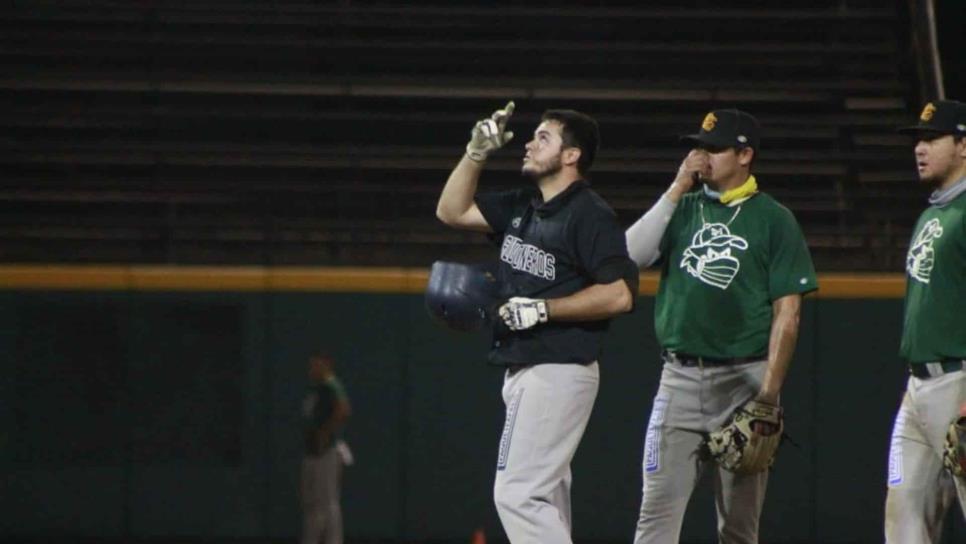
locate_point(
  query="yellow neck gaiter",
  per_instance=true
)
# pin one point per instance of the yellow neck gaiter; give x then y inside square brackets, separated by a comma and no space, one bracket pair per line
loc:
[745,190]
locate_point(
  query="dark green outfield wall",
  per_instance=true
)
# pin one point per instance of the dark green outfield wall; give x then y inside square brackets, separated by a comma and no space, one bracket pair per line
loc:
[153,414]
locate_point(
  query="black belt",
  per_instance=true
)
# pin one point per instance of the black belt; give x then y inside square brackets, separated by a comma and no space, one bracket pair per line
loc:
[936,368]
[686,359]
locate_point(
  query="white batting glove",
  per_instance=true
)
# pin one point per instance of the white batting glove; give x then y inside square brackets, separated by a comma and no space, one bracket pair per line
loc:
[521,313]
[490,134]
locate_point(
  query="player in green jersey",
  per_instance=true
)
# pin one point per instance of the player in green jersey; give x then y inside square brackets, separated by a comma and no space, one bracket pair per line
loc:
[734,266]
[325,409]
[933,335]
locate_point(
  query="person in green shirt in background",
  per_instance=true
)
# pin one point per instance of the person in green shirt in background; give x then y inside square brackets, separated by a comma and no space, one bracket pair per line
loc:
[933,335]
[734,267]
[325,409]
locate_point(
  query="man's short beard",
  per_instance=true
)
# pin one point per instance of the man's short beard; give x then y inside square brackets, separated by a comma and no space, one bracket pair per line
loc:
[552,168]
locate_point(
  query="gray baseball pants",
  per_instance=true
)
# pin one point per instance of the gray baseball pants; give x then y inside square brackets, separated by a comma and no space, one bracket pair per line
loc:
[547,408]
[920,490]
[690,402]
[321,512]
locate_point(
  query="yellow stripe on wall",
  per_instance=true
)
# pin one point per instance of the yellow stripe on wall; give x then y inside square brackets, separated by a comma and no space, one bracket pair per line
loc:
[328,279]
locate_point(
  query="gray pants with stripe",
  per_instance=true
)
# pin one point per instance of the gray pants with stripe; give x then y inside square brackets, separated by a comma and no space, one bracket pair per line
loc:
[547,408]
[920,490]
[319,491]
[690,402]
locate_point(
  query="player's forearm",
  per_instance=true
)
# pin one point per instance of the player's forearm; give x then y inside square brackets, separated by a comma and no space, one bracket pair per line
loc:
[600,301]
[644,236]
[781,346]
[677,189]
[336,421]
[331,426]
[458,193]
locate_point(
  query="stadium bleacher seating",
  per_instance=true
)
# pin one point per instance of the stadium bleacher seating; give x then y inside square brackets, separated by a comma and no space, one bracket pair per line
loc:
[295,132]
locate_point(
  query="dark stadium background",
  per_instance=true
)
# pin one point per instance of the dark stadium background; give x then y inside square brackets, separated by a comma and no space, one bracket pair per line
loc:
[194,196]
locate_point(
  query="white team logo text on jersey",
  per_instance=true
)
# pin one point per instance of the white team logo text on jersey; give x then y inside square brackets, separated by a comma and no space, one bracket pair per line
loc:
[922,257]
[709,257]
[528,258]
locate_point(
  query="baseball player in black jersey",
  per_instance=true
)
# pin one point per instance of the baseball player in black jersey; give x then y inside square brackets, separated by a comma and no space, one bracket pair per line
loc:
[565,267]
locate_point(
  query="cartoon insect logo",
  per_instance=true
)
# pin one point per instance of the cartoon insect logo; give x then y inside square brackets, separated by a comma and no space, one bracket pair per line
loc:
[709,258]
[922,257]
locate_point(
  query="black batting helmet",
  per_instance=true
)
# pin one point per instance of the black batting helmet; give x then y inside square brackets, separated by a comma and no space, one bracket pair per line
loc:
[462,297]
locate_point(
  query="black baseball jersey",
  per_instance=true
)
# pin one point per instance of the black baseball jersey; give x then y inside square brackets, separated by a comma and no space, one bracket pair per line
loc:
[550,250]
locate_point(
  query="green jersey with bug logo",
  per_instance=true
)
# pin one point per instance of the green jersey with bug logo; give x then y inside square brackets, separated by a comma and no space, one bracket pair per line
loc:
[722,267]
[934,325]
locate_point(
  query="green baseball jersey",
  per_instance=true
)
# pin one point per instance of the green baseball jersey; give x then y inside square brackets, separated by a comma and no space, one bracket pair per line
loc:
[317,408]
[722,267]
[934,326]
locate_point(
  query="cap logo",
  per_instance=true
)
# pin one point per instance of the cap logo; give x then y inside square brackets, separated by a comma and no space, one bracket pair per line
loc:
[709,122]
[961,127]
[742,138]
[927,113]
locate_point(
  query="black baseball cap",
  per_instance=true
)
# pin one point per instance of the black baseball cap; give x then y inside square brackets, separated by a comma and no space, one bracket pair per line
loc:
[940,117]
[727,128]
